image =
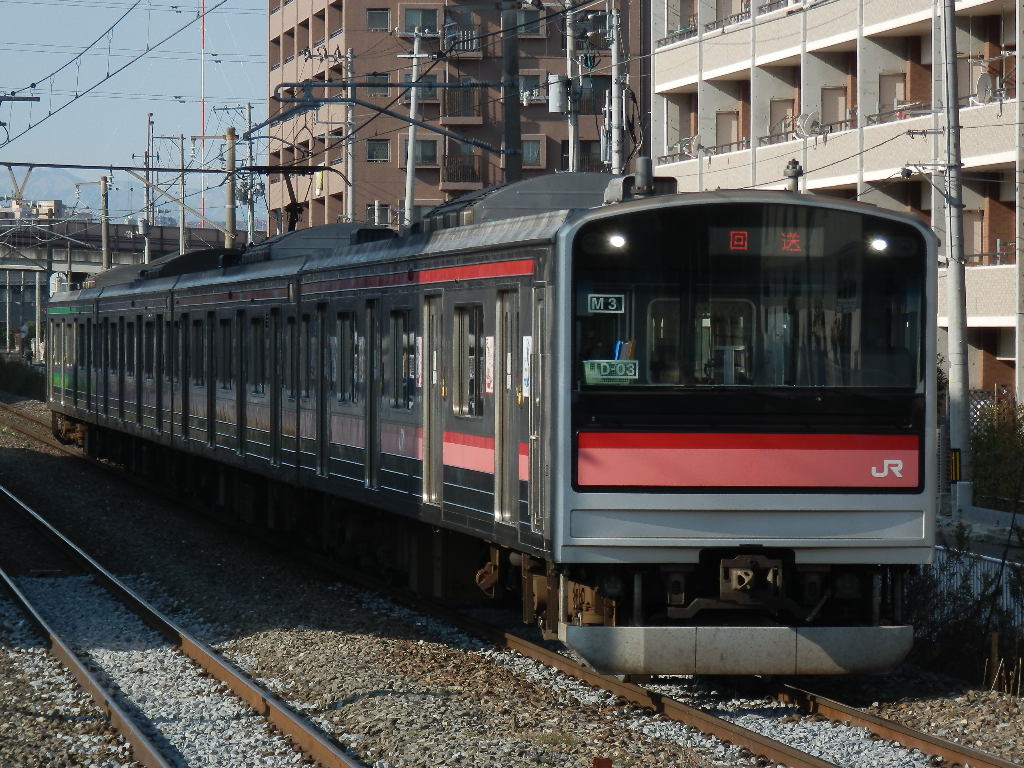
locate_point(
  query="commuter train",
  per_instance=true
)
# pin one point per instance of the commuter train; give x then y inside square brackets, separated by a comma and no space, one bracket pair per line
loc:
[690,433]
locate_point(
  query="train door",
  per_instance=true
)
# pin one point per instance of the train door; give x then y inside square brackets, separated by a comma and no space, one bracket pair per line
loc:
[534,367]
[429,363]
[507,395]
[373,393]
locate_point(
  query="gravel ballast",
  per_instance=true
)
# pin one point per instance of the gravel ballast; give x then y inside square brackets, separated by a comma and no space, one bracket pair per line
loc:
[402,690]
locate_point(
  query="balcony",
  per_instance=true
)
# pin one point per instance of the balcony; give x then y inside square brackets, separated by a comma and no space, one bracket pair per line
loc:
[722,23]
[902,112]
[461,172]
[462,42]
[732,146]
[683,33]
[462,106]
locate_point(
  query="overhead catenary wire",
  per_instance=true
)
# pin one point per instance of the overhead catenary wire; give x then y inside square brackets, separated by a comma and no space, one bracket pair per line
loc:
[111,75]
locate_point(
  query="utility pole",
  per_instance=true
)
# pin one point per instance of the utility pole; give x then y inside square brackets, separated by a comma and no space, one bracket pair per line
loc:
[250,194]
[956,295]
[350,142]
[7,282]
[36,348]
[410,155]
[229,189]
[614,27]
[570,106]
[182,233]
[148,207]
[104,222]
[510,96]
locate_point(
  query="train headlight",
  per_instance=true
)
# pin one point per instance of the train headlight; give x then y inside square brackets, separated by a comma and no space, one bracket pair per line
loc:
[878,244]
[617,241]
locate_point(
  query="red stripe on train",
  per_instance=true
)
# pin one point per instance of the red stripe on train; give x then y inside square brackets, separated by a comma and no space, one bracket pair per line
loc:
[476,452]
[435,275]
[613,459]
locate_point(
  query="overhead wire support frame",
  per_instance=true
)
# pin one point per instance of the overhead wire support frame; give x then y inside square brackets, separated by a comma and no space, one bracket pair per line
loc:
[308,101]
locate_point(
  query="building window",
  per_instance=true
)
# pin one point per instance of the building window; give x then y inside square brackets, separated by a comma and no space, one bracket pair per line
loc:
[424,18]
[528,22]
[378,19]
[468,397]
[426,151]
[532,157]
[380,214]
[378,85]
[425,93]
[532,87]
[378,150]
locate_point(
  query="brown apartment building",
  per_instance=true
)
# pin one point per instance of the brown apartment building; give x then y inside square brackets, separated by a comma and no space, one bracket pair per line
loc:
[311,40]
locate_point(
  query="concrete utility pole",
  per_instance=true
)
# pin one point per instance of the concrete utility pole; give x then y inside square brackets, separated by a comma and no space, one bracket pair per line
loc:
[615,28]
[230,219]
[39,318]
[570,105]
[250,194]
[956,294]
[147,156]
[182,232]
[7,283]
[510,96]
[410,155]
[350,142]
[105,222]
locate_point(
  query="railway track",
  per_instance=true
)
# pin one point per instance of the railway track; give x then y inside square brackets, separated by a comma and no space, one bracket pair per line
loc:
[653,700]
[149,744]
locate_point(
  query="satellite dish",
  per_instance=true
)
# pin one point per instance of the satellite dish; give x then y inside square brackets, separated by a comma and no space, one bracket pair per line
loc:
[984,90]
[808,124]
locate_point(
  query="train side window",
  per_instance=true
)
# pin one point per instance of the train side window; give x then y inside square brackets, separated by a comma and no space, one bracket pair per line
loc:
[112,349]
[198,350]
[225,372]
[403,360]
[348,346]
[468,397]
[258,375]
[97,347]
[167,350]
[307,352]
[148,350]
[129,350]
[81,341]
[288,356]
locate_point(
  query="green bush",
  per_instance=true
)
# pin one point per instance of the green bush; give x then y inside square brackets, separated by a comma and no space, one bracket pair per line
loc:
[997,455]
[19,378]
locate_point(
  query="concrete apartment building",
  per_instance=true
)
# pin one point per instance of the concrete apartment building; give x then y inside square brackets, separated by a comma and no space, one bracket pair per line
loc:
[853,90]
[310,40]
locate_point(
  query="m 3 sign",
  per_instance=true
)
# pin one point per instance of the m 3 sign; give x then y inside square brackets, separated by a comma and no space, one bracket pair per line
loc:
[606,303]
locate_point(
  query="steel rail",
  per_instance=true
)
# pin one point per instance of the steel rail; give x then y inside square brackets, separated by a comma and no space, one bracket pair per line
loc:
[756,743]
[706,723]
[954,754]
[303,733]
[143,748]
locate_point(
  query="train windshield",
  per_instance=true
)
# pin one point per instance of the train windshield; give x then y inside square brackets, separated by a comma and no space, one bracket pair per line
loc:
[766,295]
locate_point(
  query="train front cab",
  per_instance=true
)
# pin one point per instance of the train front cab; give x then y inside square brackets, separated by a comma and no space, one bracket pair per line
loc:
[746,455]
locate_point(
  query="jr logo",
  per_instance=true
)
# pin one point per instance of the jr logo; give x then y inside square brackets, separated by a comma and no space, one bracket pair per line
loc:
[888,465]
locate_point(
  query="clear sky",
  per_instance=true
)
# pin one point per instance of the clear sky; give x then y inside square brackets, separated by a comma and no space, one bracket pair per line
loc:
[66,48]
